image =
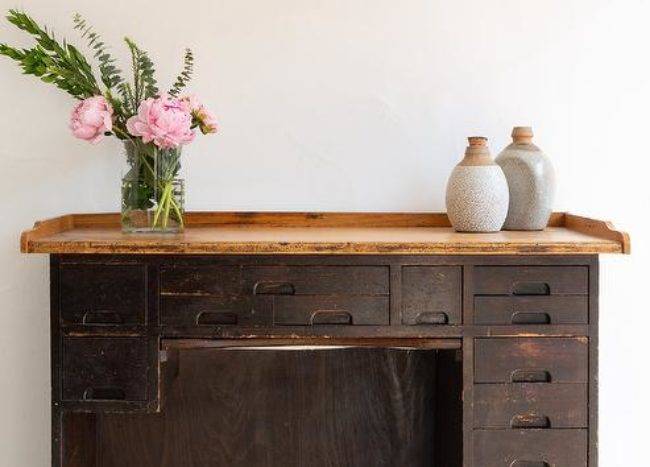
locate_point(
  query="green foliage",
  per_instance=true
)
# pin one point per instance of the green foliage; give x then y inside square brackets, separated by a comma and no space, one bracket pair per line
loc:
[109,73]
[185,76]
[144,82]
[53,62]
[63,65]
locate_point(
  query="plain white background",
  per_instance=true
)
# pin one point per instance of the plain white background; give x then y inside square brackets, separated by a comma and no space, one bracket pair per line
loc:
[346,105]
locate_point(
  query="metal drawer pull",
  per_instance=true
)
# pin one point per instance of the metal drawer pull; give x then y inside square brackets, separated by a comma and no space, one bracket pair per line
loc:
[530,376]
[211,318]
[274,288]
[531,288]
[330,317]
[530,420]
[522,317]
[105,317]
[109,393]
[518,463]
[430,317]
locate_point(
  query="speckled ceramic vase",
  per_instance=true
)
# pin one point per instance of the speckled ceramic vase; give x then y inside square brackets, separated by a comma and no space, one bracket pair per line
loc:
[477,191]
[531,180]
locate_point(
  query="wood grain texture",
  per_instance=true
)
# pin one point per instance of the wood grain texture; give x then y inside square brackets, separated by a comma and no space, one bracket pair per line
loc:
[320,233]
[345,407]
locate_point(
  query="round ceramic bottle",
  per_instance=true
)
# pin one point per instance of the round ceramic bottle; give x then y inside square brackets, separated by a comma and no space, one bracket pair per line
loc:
[531,180]
[477,191]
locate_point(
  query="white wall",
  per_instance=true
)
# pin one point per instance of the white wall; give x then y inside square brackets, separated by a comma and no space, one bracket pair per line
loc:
[346,105]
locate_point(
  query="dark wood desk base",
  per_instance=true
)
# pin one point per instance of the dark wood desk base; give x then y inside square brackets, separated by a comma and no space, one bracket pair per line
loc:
[522,331]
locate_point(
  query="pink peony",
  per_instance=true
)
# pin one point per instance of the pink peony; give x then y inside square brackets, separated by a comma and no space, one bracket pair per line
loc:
[202,116]
[164,120]
[91,118]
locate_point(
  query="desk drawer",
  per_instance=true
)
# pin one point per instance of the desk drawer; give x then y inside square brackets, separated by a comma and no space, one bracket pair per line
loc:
[104,369]
[530,448]
[530,406]
[431,295]
[531,280]
[201,280]
[317,280]
[570,309]
[330,310]
[103,294]
[533,360]
[211,311]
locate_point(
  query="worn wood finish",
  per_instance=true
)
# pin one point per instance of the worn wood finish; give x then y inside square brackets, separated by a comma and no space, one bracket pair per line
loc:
[431,295]
[103,295]
[99,369]
[485,367]
[531,448]
[530,406]
[320,233]
[534,360]
[531,280]
[498,310]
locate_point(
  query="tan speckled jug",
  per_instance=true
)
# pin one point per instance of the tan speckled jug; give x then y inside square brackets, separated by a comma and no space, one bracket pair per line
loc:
[477,191]
[531,181]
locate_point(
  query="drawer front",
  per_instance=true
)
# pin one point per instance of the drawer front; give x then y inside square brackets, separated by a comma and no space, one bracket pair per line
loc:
[211,311]
[103,294]
[527,406]
[508,360]
[330,310]
[104,369]
[317,280]
[571,309]
[204,280]
[431,295]
[531,280]
[530,448]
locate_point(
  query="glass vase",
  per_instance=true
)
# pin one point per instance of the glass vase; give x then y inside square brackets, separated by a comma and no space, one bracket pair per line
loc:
[153,196]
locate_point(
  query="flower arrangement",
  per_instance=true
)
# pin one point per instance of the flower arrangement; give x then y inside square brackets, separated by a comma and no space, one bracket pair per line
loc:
[153,125]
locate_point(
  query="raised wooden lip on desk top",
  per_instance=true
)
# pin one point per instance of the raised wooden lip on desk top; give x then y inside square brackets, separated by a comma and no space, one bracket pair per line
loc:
[320,233]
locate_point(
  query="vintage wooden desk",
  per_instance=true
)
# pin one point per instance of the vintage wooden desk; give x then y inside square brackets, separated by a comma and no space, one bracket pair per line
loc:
[511,318]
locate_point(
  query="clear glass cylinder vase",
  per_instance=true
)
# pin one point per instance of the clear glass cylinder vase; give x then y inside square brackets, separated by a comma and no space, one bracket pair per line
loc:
[153,196]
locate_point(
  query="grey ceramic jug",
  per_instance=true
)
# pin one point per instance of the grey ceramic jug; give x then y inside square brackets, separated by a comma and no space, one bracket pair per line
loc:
[531,182]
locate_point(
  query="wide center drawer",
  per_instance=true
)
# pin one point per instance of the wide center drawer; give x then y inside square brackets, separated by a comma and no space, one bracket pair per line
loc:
[250,295]
[531,360]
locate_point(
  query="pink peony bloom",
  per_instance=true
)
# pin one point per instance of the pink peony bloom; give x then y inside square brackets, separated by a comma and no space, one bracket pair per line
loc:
[206,121]
[164,120]
[91,118]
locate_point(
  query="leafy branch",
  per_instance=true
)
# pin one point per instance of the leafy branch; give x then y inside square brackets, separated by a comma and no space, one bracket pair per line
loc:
[185,76]
[58,63]
[109,73]
[144,81]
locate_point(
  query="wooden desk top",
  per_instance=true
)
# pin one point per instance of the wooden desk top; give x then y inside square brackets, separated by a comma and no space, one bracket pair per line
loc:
[319,233]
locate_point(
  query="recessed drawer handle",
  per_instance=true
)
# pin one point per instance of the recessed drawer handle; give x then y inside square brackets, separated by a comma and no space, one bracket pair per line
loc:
[212,318]
[430,317]
[109,393]
[518,463]
[525,317]
[274,288]
[330,317]
[531,288]
[101,317]
[530,420]
[530,376]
